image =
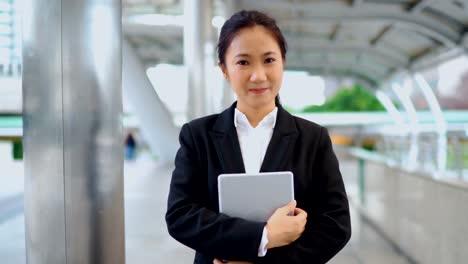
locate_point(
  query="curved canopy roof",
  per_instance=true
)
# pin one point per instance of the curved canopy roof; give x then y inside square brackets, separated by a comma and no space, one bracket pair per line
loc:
[368,40]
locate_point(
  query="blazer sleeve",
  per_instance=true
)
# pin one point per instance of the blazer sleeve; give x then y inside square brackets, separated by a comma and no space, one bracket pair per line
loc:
[328,227]
[193,224]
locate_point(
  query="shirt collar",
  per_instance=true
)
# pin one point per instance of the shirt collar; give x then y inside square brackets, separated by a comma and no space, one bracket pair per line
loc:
[269,121]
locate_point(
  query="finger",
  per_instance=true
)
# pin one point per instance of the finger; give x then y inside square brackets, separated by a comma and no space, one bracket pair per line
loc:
[301,216]
[289,208]
[292,204]
[299,212]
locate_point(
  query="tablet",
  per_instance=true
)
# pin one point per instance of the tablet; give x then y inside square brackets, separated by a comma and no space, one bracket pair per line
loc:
[254,196]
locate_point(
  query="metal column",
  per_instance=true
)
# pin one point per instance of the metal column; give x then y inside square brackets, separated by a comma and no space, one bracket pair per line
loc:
[440,123]
[413,122]
[73,142]
[198,14]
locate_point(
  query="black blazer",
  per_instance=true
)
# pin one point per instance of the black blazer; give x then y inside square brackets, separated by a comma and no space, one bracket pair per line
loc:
[209,147]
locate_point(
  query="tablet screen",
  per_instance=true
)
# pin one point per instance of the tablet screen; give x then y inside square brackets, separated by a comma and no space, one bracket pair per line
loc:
[254,196]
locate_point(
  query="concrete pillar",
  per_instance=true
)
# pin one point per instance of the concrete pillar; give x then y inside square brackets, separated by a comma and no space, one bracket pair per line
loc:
[73,142]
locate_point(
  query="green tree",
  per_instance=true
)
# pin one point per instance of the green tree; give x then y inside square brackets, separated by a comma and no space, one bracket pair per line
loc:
[354,99]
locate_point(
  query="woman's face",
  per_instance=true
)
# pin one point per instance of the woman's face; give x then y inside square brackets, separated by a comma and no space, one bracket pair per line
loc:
[254,67]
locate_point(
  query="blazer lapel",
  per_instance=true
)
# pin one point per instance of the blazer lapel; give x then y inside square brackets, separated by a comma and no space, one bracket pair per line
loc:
[226,142]
[281,143]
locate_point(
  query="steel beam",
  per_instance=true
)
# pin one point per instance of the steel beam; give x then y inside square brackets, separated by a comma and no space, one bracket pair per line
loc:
[390,57]
[444,31]
[320,63]
[420,5]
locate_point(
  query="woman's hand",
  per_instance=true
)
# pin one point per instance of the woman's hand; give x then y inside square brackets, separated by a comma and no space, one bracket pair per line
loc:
[284,228]
[217,261]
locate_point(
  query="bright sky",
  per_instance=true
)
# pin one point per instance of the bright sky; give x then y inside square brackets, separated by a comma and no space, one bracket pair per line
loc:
[450,74]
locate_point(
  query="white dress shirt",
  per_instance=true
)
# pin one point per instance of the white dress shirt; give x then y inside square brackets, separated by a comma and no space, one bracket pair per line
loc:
[253,144]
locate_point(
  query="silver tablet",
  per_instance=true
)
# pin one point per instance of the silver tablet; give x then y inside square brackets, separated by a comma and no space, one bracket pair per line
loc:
[254,196]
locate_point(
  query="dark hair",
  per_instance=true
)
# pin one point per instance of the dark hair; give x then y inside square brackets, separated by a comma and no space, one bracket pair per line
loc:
[245,19]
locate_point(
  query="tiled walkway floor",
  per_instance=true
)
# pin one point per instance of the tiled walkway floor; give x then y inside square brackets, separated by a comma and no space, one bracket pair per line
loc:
[147,240]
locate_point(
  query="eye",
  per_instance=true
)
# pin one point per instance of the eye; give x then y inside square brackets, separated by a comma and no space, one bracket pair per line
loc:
[269,60]
[243,62]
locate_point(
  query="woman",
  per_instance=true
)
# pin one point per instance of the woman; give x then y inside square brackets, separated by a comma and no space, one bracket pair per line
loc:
[257,134]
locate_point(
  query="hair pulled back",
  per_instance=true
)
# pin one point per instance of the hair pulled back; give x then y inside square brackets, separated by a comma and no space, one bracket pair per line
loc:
[246,19]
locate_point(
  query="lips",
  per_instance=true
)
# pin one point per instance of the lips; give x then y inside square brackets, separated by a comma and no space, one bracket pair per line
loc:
[258,90]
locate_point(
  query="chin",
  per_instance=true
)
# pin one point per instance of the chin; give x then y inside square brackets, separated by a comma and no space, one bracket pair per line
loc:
[258,103]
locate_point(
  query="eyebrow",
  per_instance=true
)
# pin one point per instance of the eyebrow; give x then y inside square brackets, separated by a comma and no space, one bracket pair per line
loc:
[247,55]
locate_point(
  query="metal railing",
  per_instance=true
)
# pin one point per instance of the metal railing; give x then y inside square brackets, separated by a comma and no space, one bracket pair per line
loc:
[397,148]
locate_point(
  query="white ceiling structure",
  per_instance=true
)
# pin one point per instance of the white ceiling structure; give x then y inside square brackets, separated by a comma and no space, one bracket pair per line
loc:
[368,40]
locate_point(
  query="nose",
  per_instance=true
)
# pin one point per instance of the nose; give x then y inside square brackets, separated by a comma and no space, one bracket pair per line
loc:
[258,75]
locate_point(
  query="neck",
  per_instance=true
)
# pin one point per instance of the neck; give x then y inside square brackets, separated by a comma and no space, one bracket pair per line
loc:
[253,114]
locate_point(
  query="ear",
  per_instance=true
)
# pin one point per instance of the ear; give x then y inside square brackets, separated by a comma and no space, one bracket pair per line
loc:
[224,70]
